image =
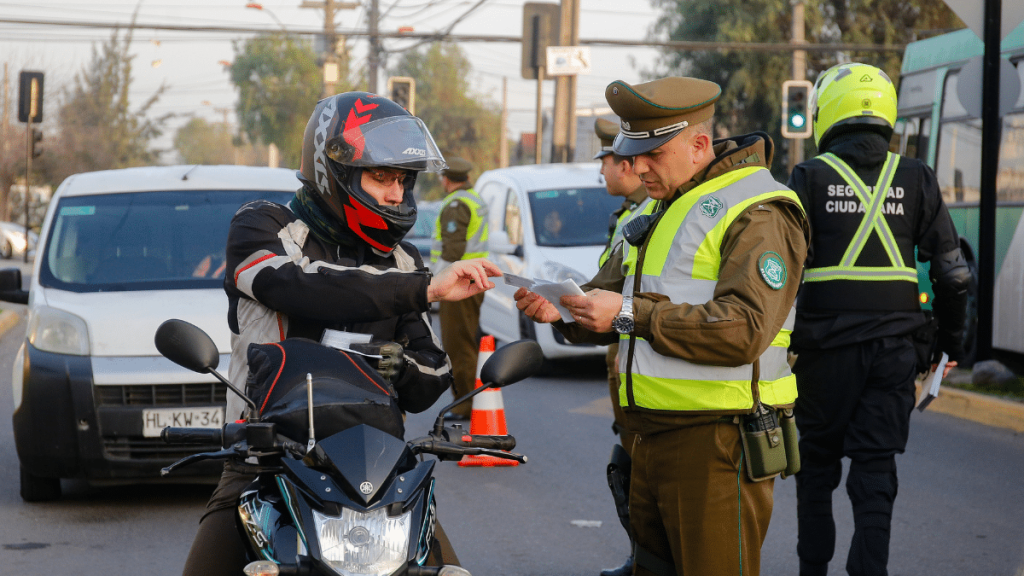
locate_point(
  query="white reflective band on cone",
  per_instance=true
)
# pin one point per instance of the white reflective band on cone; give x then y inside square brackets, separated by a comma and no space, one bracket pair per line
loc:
[489,399]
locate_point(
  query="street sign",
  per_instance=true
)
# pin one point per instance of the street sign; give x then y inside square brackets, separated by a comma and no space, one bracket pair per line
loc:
[541,25]
[568,60]
[968,86]
[972,12]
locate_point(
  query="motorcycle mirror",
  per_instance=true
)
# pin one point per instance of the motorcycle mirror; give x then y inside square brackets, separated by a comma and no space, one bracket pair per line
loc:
[187,345]
[512,363]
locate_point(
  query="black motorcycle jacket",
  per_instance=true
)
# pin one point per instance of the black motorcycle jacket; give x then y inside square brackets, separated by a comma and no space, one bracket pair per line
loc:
[847,307]
[283,281]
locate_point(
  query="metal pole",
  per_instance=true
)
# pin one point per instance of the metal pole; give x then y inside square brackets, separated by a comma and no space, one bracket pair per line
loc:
[796,145]
[374,57]
[540,116]
[28,171]
[503,143]
[331,43]
[990,128]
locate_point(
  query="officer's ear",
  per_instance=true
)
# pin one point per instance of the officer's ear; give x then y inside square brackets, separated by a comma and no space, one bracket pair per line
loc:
[701,145]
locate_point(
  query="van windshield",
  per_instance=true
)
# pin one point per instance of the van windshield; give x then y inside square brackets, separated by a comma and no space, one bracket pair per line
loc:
[142,241]
[572,217]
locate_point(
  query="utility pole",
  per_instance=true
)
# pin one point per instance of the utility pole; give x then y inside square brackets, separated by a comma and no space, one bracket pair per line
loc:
[373,60]
[796,145]
[330,53]
[563,129]
[503,143]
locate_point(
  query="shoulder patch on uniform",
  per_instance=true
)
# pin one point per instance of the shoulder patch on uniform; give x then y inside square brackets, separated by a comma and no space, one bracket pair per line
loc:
[773,270]
[711,206]
[452,226]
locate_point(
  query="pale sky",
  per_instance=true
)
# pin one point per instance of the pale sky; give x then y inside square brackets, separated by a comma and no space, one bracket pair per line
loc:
[188,62]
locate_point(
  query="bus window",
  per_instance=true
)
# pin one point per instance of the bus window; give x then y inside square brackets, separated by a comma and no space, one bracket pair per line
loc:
[912,135]
[958,161]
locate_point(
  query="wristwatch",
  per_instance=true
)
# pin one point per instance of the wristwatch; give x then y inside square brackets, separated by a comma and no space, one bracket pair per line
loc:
[623,323]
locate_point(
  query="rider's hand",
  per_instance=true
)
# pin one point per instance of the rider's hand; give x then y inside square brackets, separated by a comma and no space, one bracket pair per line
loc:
[461,280]
[536,307]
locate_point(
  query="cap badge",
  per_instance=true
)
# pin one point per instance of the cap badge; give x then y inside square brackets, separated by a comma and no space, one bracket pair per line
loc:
[626,125]
[773,270]
[711,206]
[615,91]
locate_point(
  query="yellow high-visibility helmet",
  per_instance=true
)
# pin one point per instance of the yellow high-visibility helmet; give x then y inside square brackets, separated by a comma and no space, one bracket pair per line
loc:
[849,96]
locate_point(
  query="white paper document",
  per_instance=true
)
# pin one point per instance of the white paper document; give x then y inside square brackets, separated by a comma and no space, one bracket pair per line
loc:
[930,386]
[551,291]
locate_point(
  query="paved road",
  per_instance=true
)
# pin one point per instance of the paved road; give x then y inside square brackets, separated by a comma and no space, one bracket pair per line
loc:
[958,513]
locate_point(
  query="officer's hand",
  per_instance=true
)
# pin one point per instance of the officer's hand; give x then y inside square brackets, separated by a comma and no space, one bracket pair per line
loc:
[595,310]
[536,307]
[949,366]
[461,280]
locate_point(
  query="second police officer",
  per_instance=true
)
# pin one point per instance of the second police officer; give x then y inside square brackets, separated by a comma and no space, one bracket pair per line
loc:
[460,234]
[858,308]
[621,181]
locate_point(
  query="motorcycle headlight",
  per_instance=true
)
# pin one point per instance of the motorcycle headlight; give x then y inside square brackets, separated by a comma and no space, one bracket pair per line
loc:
[358,544]
[557,272]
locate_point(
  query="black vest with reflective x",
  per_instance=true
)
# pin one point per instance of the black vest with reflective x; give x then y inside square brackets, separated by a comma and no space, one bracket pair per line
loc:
[862,240]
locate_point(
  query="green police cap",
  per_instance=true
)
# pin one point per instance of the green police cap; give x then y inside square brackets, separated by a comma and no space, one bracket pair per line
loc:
[654,112]
[606,131]
[458,168]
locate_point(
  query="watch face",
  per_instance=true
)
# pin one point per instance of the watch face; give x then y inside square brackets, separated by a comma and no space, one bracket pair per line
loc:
[623,324]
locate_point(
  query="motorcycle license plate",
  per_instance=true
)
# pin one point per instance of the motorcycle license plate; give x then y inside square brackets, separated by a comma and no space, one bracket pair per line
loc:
[155,420]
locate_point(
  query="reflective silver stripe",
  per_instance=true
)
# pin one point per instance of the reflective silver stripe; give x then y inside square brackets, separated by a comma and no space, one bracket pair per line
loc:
[859,273]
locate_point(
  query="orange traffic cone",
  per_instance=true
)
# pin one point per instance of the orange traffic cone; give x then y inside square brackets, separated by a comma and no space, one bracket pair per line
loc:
[488,412]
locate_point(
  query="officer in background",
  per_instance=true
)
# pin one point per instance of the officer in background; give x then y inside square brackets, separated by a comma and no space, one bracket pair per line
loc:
[460,234]
[619,180]
[701,302]
[858,309]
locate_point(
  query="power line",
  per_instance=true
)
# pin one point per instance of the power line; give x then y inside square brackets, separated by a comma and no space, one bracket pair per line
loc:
[438,36]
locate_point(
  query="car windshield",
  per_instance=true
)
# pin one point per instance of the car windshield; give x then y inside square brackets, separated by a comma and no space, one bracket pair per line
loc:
[142,241]
[572,217]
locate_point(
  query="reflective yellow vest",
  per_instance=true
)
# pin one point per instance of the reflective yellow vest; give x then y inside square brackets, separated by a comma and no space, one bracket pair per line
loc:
[476,234]
[682,261]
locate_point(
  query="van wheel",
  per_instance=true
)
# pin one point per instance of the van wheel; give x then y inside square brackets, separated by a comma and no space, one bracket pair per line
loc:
[37,488]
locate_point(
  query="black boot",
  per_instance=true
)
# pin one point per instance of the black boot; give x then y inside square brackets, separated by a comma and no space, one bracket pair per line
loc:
[624,570]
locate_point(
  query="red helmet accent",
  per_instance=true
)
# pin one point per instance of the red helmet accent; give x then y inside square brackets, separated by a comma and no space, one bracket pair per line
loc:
[359,216]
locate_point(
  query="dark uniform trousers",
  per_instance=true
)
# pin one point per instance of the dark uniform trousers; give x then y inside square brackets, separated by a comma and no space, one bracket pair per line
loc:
[691,504]
[460,322]
[854,401]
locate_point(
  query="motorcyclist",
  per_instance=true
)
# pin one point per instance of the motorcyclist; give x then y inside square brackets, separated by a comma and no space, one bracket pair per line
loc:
[334,258]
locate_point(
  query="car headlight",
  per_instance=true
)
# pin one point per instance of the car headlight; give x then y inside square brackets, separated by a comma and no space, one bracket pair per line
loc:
[52,330]
[556,272]
[358,544]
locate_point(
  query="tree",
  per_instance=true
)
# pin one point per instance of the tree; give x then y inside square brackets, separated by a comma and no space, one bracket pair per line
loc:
[200,142]
[462,123]
[279,84]
[751,81]
[97,129]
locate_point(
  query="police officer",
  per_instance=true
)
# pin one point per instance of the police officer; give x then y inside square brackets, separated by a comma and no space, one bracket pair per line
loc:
[701,301]
[460,234]
[858,308]
[619,180]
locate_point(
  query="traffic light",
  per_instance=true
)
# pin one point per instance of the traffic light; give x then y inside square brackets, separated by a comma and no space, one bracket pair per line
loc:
[30,97]
[796,120]
[37,137]
[402,91]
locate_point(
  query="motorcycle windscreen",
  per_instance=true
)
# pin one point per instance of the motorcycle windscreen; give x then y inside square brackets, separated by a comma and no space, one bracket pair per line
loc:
[347,391]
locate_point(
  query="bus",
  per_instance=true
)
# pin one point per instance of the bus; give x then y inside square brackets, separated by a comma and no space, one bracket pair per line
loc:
[935,127]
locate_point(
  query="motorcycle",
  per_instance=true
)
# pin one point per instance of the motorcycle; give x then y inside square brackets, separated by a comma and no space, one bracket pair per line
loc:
[354,501]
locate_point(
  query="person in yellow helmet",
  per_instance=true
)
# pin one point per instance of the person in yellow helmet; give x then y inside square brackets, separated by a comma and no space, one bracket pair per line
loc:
[858,312]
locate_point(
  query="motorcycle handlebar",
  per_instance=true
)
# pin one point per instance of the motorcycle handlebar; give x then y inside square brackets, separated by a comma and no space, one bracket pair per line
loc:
[489,442]
[172,435]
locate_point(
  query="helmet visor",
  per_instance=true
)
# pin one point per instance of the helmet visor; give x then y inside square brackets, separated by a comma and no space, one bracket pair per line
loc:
[402,142]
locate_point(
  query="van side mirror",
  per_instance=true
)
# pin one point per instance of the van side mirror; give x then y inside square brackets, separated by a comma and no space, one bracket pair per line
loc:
[10,286]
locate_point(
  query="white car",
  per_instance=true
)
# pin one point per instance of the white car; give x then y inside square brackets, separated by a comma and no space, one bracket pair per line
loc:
[550,222]
[12,240]
[121,252]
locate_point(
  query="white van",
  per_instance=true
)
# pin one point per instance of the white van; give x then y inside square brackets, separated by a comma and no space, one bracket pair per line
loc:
[120,252]
[547,221]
